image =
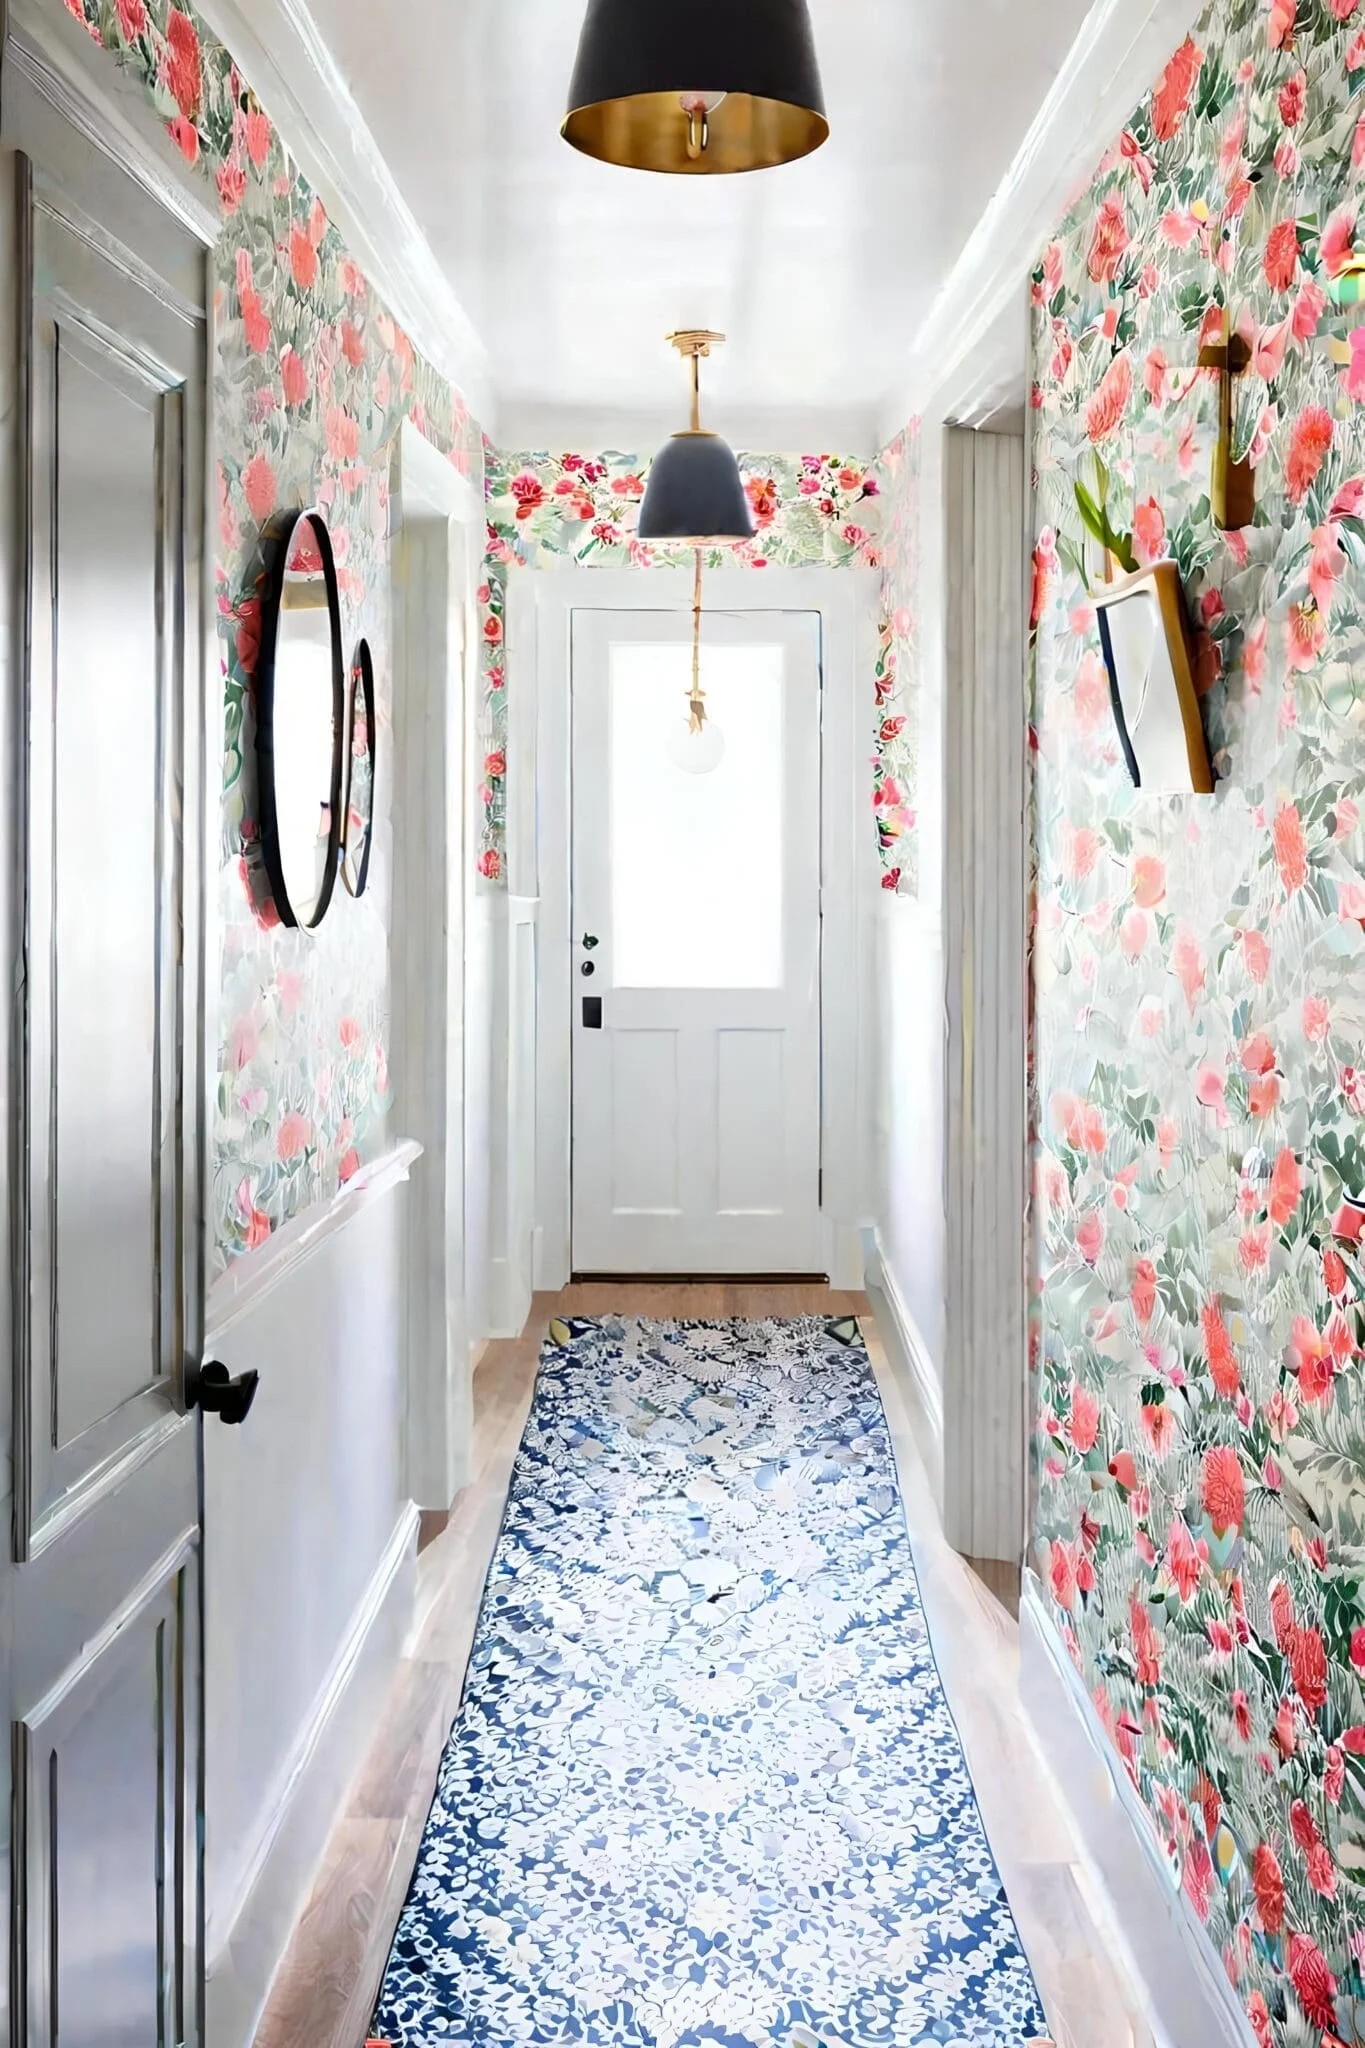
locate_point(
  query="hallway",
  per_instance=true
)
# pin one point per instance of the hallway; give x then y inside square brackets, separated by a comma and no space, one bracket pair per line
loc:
[331,1975]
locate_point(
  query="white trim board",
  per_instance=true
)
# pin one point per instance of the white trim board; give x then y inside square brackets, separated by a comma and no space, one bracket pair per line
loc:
[1168,1955]
[963,347]
[307,1796]
[908,1356]
[540,606]
[277,47]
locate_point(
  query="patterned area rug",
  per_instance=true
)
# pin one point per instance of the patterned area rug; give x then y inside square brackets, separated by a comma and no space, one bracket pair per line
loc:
[705,1790]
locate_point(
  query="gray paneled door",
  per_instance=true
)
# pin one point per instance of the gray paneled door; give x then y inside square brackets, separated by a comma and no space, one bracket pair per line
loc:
[104,330]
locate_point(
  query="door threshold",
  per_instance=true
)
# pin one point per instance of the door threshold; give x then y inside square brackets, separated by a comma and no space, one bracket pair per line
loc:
[701,1279]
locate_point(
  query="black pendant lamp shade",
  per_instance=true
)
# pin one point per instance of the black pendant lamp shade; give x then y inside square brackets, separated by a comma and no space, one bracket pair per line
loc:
[695,493]
[696,86]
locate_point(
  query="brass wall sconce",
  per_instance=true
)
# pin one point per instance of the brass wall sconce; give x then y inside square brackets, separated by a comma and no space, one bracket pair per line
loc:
[1232,487]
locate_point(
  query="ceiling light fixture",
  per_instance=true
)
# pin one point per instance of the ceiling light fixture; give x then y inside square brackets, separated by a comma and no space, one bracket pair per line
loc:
[708,86]
[695,495]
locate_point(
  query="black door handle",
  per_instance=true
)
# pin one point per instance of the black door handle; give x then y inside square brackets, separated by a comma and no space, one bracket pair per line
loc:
[218,1392]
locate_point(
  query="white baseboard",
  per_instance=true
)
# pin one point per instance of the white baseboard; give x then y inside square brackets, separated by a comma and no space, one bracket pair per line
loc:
[310,1792]
[509,1298]
[1169,1956]
[906,1351]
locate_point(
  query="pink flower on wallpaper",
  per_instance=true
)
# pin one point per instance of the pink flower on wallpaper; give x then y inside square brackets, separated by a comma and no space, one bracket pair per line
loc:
[1291,853]
[343,434]
[1308,445]
[303,258]
[1110,401]
[1184,1558]
[1286,1186]
[132,19]
[1305,635]
[294,377]
[1325,565]
[1090,1235]
[1337,247]
[1223,1488]
[1149,880]
[185,136]
[1085,1418]
[1149,532]
[184,69]
[1091,697]
[1308,309]
[1280,22]
[259,488]
[256,322]
[1353,376]
[1155,375]
[1293,99]
[1108,240]
[1187,960]
[257,137]
[1280,261]
[293,1135]
[1172,94]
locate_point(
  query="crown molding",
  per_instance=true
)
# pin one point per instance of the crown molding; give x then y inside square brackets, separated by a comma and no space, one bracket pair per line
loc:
[970,355]
[280,52]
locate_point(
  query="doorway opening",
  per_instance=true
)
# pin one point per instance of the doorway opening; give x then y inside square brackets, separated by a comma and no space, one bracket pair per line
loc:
[701,1072]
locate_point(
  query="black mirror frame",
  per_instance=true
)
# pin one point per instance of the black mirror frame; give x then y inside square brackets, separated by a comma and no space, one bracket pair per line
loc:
[362,679]
[282,535]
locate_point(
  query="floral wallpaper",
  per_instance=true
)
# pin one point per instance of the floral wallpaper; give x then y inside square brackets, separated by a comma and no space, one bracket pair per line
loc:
[1199,998]
[312,380]
[545,511]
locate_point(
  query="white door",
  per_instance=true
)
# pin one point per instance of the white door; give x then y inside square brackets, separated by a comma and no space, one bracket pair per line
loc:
[696,944]
[102,416]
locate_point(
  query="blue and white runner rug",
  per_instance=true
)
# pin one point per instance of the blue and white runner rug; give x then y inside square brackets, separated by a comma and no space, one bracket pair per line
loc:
[704,1789]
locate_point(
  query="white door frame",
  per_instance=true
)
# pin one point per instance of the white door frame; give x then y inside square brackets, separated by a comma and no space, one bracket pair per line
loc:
[539,611]
[436,519]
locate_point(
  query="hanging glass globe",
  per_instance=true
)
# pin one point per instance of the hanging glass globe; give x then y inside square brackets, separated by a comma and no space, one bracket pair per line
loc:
[699,751]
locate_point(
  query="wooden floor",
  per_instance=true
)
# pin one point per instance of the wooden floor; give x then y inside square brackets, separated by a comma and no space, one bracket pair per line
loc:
[325,1990]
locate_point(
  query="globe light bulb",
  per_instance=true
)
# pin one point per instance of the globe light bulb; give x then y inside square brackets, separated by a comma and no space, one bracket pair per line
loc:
[697,753]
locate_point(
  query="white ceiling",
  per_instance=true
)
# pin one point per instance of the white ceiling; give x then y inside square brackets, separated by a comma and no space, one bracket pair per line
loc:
[573,271]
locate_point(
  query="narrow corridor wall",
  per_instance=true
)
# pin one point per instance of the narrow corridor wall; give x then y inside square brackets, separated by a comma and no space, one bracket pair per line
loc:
[312,379]
[1199,992]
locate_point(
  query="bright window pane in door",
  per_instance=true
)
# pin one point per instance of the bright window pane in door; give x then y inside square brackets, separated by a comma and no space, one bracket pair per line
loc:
[696,860]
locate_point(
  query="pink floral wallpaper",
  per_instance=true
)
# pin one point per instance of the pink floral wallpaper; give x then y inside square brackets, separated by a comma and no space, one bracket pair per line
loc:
[895,761]
[1199,996]
[311,383]
[811,510]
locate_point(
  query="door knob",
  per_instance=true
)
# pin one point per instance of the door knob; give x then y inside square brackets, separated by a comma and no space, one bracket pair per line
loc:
[218,1392]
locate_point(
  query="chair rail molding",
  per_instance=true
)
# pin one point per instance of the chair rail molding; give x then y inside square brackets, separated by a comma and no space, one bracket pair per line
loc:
[280,51]
[964,352]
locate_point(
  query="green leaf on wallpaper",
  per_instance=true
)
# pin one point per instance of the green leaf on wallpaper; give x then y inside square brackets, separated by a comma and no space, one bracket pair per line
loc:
[1216,88]
[1191,302]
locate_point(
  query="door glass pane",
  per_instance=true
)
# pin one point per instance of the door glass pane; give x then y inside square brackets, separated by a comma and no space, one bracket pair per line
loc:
[696,860]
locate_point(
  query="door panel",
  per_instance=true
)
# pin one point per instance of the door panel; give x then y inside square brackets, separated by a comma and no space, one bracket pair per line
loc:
[696,1104]
[104,826]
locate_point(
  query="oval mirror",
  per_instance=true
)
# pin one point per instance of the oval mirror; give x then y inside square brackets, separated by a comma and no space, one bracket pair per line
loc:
[299,712]
[360,792]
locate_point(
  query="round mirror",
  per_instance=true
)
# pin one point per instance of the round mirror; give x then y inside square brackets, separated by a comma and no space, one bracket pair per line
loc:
[355,866]
[299,715]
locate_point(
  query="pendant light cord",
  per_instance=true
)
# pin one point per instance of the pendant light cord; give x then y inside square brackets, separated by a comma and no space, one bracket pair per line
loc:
[696,700]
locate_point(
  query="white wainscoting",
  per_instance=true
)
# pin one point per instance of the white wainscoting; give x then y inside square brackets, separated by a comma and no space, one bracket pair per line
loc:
[1192,2004]
[309,1566]
[514,1097]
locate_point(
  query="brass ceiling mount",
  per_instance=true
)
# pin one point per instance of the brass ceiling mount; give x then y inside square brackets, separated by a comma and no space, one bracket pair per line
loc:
[693,87]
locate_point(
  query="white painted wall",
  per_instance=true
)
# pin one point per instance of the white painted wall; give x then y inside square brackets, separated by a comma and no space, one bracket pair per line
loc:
[309,1550]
